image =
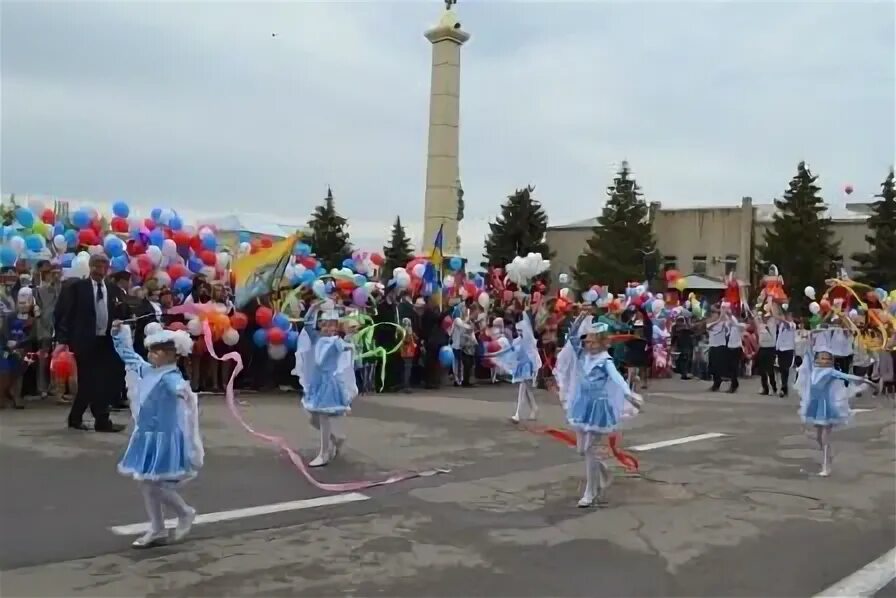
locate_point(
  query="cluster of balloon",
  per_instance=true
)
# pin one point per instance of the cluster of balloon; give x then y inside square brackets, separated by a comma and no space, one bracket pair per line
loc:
[224,328]
[493,341]
[275,332]
[62,365]
[523,269]
[675,280]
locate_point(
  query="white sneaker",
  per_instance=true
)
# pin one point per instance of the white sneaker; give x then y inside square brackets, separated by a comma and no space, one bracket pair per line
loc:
[515,419]
[337,443]
[318,461]
[151,539]
[585,502]
[183,525]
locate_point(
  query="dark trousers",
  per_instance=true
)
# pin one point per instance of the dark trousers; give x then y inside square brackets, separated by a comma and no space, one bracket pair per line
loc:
[844,364]
[785,362]
[765,363]
[718,360]
[734,358]
[685,359]
[432,369]
[100,376]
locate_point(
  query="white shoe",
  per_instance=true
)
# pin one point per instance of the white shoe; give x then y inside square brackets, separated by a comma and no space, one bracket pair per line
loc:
[183,525]
[515,419]
[824,473]
[151,539]
[585,502]
[337,443]
[319,461]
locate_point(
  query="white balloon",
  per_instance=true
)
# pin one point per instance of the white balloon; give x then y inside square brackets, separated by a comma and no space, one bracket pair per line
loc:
[484,300]
[448,282]
[95,249]
[17,244]
[403,281]
[60,243]
[564,293]
[418,270]
[276,352]
[194,327]
[810,292]
[658,306]
[209,272]
[230,337]
[814,308]
[319,288]
[152,328]
[166,216]
[564,278]
[155,254]
[169,248]
[245,248]
[223,260]
[163,278]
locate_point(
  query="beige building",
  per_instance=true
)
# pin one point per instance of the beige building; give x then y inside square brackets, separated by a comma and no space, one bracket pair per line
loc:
[711,241]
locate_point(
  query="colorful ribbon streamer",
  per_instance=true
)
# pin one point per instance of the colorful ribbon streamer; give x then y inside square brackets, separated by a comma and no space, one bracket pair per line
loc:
[626,460]
[280,443]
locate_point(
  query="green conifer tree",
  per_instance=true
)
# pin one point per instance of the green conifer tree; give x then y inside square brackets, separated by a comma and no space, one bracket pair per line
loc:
[877,267]
[519,230]
[329,237]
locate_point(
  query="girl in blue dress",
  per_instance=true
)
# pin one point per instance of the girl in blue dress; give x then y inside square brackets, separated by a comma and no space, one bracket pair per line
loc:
[824,394]
[596,397]
[522,362]
[324,364]
[165,448]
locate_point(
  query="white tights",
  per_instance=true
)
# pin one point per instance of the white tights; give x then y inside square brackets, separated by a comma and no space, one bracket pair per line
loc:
[525,400]
[331,437]
[597,474]
[156,496]
[823,438]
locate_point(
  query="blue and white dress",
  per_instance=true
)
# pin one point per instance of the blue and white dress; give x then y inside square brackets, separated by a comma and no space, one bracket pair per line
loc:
[824,396]
[325,366]
[165,444]
[521,359]
[591,388]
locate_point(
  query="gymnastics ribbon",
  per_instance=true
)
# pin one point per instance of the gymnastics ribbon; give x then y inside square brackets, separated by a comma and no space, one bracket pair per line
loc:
[364,339]
[568,437]
[280,443]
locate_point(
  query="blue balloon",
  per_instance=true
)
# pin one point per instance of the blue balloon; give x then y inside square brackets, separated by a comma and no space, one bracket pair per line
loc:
[156,214]
[71,238]
[175,223]
[114,247]
[67,259]
[81,219]
[292,340]
[25,217]
[245,237]
[307,277]
[209,242]
[320,271]
[34,243]
[281,321]
[260,337]
[7,257]
[360,280]
[194,265]
[8,232]
[349,263]
[119,262]
[58,229]
[121,209]
[446,357]
[183,285]
[156,237]
[455,263]
[478,281]
[302,249]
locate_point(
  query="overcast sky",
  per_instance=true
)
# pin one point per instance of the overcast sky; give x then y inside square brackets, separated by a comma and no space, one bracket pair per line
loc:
[198,105]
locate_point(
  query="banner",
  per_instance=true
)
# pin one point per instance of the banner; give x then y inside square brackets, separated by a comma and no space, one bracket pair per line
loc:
[260,273]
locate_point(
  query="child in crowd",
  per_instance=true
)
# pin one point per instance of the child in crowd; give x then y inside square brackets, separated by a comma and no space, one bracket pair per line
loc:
[165,448]
[408,353]
[19,346]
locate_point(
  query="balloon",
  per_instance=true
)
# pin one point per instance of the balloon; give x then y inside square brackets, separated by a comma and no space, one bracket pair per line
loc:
[848,189]
[418,270]
[319,288]
[121,209]
[169,248]
[239,321]
[377,259]
[119,225]
[590,296]
[681,284]
[156,237]
[81,219]
[810,292]
[455,263]
[62,365]
[182,285]
[194,327]
[87,236]
[230,337]
[25,217]
[814,308]
[446,357]
[264,316]
[18,244]
[276,336]
[484,300]
[222,260]
[8,257]
[194,265]
[564,279]
[209,242]
[403,281]
[260,337]
[34,243]
[208,257]
[154,254]
[359,296]
[113,246]
[292,340]
[48,216]
[277,352]
[281,321]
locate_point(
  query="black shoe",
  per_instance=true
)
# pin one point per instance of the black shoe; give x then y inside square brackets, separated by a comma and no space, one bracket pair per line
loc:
[79,426]
[732,390]
[782,394]
[685,377]
[108,427]
[118,408]
[764,392]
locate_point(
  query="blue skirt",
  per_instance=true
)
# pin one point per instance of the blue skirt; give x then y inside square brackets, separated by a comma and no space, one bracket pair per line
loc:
[326,396]
[157,456]
[592,414]
[820,410]
[523,371]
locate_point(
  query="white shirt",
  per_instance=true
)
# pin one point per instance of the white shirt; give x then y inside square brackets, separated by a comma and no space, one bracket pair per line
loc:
[717,333]
[101,307]
[841,343]
[767,333]
[786,340]
[735,335]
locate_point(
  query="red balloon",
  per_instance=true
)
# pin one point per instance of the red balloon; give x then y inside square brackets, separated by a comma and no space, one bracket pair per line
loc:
[208,257]
[149,223]
[62,365]
[196,243]
[48,216]
[176,271]
[446,323]
[119,225]
[266,242]
[672,276]
[276,336]
[181,238]
[507,296]
[492,347]
[377,259]
[264,316]
[177,326]
[88,236]
[239,321]
[135,247]
[309,262]
[97,227]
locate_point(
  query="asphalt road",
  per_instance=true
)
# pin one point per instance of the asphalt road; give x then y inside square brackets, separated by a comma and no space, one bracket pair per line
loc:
[732,516]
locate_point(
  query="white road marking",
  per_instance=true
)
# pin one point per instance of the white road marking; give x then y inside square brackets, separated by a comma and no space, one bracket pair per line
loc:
[294,505]
[674,441]
[868,580]
[861,410]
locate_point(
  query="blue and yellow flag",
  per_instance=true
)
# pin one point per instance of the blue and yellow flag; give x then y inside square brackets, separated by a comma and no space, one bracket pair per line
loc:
[260,273]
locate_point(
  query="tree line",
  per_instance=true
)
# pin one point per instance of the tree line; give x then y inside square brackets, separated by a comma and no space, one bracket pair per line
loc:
[622,247]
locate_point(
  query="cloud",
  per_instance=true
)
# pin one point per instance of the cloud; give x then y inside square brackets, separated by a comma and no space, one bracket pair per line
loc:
[199,106]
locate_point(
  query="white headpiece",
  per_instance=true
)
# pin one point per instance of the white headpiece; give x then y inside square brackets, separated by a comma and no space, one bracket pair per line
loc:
[183,344]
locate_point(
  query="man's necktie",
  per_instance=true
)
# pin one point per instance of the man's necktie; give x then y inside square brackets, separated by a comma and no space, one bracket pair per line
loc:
[99,292]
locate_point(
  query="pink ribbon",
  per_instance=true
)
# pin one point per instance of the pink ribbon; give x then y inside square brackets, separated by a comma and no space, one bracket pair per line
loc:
[280,442]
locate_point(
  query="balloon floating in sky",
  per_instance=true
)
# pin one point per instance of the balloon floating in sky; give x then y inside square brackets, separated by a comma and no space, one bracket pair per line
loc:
[848,189]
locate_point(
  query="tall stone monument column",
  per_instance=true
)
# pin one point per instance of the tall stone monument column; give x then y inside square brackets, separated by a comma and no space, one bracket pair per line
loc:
[441,204]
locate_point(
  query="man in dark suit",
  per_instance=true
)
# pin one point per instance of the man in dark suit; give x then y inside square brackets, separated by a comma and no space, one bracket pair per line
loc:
[85,312]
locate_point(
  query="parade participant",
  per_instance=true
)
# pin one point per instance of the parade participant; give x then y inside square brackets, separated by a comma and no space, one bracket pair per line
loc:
[165,448]
[824,397]
[765,357]
[324,364]
[735,330]
[522,362]
[408,353]
[718,353]
[596,398]
[785,345]
[841,346]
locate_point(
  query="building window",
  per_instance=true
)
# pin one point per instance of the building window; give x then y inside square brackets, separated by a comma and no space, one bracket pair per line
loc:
[670,262]
[730,264]
[699,264]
